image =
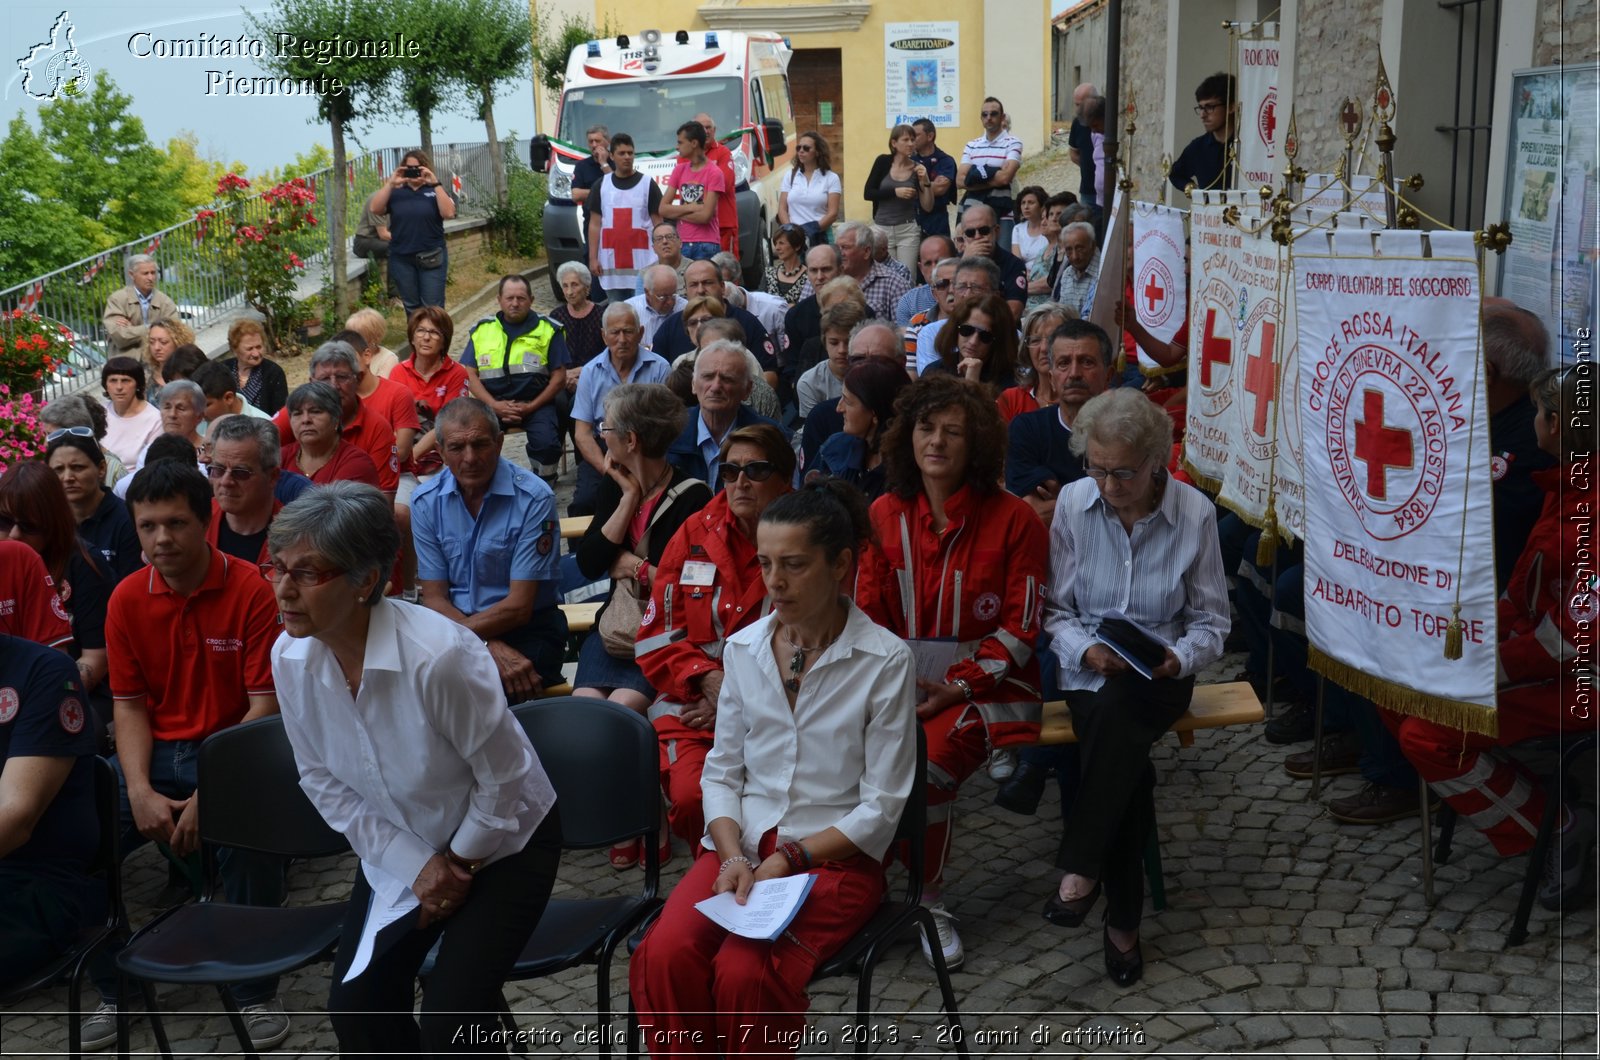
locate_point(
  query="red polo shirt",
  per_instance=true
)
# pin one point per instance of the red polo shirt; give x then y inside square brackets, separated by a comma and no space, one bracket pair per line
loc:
[368,432]
[213,528]
[29,606]
[392,403]
[196,659]
[348,464]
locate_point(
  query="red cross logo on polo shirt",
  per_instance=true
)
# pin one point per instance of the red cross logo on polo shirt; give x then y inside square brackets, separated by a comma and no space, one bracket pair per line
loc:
[1154,293]
[1213,348]
[1380,447]
[1261,378]
[623,238]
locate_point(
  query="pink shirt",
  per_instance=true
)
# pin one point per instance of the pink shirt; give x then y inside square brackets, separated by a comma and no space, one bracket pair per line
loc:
[692,186]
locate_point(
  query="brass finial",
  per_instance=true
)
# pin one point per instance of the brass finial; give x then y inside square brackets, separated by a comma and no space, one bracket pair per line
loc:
[1496,237]
[1414,182]
[1350,119]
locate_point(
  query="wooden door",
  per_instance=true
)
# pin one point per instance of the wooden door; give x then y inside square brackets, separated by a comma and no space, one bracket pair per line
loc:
[816,88]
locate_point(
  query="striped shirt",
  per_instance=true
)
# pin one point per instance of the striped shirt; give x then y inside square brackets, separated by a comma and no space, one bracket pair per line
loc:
[1166,575]
[917,300]
[992,154]
[1077,290]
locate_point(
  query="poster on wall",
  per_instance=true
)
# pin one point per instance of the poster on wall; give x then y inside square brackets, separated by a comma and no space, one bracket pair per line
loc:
[1258,106]
[922,73]
[1551,201]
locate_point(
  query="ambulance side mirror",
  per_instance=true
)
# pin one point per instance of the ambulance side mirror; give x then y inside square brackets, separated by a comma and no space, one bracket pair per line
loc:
[776,144]
[539,153]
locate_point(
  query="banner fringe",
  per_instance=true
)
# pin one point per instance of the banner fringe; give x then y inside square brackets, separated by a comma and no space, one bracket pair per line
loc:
[1452,713]
[1204,481]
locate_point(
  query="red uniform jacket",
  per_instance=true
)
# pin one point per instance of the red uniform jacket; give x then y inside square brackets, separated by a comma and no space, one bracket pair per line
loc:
[1547,601]
[980,582]
[692,613]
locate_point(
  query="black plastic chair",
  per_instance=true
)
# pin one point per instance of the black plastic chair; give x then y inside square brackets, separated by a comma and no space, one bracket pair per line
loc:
[1570,748]
[859,956]
[74,961]
[603,761]
[250,799]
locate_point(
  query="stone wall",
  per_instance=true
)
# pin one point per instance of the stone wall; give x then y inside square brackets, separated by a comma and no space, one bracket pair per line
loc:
[1336,55]
[1144,73]
[1566,32]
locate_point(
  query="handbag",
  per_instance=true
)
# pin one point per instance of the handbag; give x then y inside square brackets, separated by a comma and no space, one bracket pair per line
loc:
[618,624]
[429,259]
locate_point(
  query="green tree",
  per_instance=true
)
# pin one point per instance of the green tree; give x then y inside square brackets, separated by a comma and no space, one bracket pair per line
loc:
[358,94]
[194,176]
[39,231]
[555,43]
[118,177]
[498,49]
[432,82]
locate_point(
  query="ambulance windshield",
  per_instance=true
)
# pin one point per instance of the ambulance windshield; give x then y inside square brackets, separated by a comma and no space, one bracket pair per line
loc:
[651,111]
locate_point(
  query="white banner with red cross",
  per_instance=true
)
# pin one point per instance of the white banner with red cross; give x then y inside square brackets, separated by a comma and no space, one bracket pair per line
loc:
[1160,272]
[1254,277]
[1258,106]
[1399,514]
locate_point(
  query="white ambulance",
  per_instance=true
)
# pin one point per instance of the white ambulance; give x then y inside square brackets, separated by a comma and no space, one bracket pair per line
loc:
[648,85]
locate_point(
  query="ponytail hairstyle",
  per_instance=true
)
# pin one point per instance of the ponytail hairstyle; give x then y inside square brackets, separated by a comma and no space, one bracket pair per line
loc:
[833,512]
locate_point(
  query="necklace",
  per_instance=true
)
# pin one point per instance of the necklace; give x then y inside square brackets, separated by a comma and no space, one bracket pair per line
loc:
[797,661]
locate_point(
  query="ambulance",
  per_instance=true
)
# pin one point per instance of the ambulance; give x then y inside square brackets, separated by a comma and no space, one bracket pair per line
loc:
[648,85]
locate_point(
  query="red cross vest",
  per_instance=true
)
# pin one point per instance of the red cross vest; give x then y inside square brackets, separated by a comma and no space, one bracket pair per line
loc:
[625,249]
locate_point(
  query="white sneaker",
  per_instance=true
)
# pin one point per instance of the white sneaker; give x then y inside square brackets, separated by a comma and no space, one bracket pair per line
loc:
[1002,764]
[949,940]
[266,1023]
[99,1028]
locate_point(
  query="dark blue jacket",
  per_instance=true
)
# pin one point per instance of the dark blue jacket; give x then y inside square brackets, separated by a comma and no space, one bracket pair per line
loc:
[1038,451]
[672,338]
[684,453]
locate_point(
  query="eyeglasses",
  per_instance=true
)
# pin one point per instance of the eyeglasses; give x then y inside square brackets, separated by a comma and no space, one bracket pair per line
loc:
[1203,109]
[603,428]
[966,331]
[337,378]
[304,577]
[1121,474]
[62,432]
[755,471]
[939,285]
[696,322]
[427,331]
[222,471]
[977,233]
[30,529]
[968,288]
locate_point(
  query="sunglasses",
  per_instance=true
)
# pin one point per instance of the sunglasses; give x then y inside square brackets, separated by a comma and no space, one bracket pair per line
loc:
[989,113]
[30,529]
[977,233]
[755,471]
[222,471]
[804,147]
[76,432]
[966,331]
[304,577]
[939,285]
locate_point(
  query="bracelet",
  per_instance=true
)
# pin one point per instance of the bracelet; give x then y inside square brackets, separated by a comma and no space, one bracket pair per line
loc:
[796,855]
[960,684]
[737,857]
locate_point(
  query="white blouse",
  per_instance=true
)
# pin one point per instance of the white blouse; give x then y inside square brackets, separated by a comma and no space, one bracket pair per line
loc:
[427,758]
[1166,575]
[845,757]
[808,196]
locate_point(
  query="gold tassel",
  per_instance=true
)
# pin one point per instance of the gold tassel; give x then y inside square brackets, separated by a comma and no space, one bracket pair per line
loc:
[1268,546]
[1453,633]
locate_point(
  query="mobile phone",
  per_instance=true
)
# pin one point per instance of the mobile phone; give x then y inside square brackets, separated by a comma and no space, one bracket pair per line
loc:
[411,171]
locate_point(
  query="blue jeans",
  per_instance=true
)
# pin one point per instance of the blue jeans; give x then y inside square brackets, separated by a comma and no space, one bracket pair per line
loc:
[418,286]
[247,878]
[701,251]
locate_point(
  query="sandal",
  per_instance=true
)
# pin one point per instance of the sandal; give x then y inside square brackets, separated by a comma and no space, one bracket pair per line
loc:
[626,856]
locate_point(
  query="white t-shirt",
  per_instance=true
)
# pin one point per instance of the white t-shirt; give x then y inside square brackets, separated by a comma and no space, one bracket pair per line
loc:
[1031,247]
[808,197]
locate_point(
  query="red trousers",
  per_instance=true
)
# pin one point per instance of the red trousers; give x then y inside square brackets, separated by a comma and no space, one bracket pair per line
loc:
[683,756]
[701,991]
[957,746]
[1482,782]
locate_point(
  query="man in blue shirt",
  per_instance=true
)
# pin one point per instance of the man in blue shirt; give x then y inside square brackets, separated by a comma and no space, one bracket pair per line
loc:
[487,544]
[942,169]
[1205,161]
[721,384]
[703,280]
[516,365]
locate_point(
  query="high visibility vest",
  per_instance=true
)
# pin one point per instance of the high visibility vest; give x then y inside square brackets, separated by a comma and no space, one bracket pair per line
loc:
[528,355]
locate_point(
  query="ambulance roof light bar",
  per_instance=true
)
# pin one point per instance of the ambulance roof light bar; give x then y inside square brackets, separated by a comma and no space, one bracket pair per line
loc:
[594,49]
[711,39]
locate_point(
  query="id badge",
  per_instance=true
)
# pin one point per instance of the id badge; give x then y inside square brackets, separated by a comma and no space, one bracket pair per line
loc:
[699,573]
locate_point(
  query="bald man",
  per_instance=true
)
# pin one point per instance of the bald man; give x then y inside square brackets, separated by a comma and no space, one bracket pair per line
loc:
[1080,144]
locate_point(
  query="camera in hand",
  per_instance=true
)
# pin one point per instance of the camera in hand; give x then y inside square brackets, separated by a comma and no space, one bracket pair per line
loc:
[411,172]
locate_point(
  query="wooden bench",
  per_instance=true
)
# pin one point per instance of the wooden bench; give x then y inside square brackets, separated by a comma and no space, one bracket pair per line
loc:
[581,617]
[575,526]
[1213,707]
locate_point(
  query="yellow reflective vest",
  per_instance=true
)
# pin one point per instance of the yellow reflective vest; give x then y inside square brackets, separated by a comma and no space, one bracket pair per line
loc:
[528,354]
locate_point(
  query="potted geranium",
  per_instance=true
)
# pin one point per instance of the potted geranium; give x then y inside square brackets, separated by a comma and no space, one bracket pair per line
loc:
[21,437]
[30,346]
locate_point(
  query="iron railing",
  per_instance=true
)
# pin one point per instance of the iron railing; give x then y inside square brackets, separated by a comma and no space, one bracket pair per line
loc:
[206,287]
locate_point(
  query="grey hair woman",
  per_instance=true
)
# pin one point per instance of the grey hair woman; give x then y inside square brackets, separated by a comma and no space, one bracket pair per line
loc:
[579,314]
[183,406]
[641,420]
[1137,605]
[458,832]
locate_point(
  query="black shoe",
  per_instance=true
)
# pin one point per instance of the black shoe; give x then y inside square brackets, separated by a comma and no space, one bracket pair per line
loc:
[1295,723]
[1341,753]
[1021,794]
[1069,914]
[1124,969]
[1567,860]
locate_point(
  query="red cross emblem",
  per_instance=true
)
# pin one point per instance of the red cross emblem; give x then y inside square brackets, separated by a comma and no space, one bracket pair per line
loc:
[1350,118]
[622,238]
[1214,348]
[1154,293]
[1380,447]
[1261,379]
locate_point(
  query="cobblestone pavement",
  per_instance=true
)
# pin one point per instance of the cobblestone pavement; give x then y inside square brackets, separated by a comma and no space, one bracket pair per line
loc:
[1285,933]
